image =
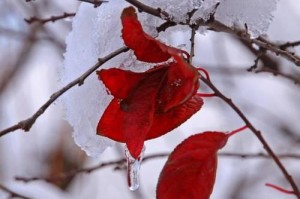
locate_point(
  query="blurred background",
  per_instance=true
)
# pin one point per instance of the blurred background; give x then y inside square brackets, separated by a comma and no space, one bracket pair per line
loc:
[30,55]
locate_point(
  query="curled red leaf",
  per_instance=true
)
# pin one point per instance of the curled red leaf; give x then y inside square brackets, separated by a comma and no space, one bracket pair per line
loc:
[134,115]
[191,168]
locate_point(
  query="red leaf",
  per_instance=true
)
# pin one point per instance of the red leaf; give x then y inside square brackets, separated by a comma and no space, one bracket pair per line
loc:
[166,121]
[129,120]
[120,82]
[191,168]
[145,47]
[139,110]
[181,83]
[111,123]
[136,118]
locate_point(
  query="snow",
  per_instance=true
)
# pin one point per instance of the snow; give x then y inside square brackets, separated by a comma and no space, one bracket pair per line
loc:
[96,33]
[256,14]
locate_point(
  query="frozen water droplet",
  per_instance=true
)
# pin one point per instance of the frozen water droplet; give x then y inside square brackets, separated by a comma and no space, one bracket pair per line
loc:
[133,169]
[177,82]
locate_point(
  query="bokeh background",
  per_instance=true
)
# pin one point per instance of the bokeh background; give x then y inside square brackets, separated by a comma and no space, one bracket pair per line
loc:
[31,55]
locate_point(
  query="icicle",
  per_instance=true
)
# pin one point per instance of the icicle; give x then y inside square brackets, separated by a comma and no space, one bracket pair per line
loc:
[133,169]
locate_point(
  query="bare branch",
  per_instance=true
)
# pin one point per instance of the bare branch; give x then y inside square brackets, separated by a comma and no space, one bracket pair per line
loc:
[295,79]
[289,45]
[27,123]
[192,39]
[121,164]
[258,134]
[50,19]
[11,193]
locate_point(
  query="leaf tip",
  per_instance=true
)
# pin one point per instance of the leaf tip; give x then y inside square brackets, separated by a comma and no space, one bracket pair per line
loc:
[129,12]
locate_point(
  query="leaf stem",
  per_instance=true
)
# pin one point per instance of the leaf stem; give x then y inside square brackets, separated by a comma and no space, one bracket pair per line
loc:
[279,188]
[237,130]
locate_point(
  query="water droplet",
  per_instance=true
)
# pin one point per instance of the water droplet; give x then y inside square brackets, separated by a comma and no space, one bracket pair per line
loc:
[133,169]
[177,82]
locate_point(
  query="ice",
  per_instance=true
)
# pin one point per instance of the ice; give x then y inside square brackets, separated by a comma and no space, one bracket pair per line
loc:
[95,33]
[256,14]
[178,9]
[205,9]
[133,169]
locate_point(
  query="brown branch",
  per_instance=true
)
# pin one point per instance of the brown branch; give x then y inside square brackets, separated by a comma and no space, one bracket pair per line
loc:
[50,19]
[22,56]
[289,45]
[258,134]
[11,193]
[192,40]
[293,78]
[215,25]
[96,3]
[148,9]
[264,43]
[27,123]
[121,164]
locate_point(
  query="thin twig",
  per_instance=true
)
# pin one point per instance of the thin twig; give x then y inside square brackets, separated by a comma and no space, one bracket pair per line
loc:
[119,164]
[256,132]
[293,78]
[50,19]
[289,44]
[192,40]
[27,123]
[11,193]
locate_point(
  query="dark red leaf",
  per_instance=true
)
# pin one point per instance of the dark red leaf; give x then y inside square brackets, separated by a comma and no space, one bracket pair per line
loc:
[120,82]
[191,168]
[145,47]
[139,110]
[129,120]
[166,121]
[181,84]
[111,124]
